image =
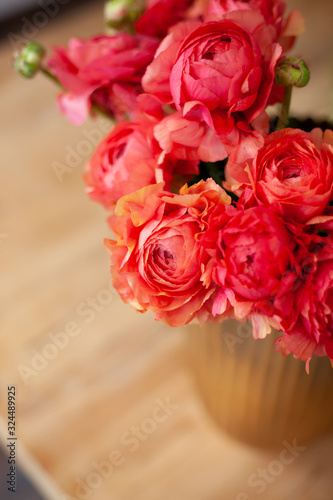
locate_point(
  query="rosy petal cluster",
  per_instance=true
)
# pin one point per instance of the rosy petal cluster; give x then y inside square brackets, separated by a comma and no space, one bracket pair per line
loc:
[273,11]
[129,158]
[313,331]
[292,174]
[253,261]
[157,262]
[103,70]
[294,170]
[221,73]
[217,73]
[194,81]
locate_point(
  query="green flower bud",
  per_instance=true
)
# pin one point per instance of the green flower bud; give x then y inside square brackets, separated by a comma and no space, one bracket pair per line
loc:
[292,71]
[121,14]
[27,61]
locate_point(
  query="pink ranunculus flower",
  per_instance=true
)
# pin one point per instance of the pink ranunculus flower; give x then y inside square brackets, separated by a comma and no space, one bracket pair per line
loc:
[224,72]
[157,262]
[273,11]
[312,334]
[160,15]
[294,170]
[128,159]
[253,262]
[104,70]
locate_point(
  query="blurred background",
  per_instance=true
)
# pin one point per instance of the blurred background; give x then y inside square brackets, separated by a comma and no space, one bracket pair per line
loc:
[11,9]
[90,373]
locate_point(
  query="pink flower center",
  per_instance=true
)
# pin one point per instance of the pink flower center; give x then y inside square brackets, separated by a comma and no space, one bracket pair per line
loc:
[291,172]
[118,152]
[249,261]
[164,259]
[216,53]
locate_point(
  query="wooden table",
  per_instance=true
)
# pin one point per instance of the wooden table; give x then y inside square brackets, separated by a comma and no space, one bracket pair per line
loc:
[106,406]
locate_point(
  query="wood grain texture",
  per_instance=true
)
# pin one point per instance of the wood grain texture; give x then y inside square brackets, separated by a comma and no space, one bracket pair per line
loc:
[99,399]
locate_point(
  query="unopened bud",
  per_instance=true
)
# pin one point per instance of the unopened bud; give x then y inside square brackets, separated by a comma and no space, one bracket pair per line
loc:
[28,60]
[292,71]
[121,14]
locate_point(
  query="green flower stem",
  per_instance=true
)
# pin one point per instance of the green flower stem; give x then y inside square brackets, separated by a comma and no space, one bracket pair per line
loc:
[51,77]
[284,114]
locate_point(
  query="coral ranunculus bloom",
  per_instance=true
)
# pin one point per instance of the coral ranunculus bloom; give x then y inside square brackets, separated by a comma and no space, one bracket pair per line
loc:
[123,162]
[294,170]
[157,262]
[224,71]
[128,159]
[313,332]
[253,262]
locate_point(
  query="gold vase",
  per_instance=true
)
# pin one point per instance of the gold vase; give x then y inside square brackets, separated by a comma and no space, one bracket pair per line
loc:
[254,393]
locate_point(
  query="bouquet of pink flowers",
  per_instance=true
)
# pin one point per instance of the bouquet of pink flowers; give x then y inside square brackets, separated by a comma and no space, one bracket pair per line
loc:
[218,211]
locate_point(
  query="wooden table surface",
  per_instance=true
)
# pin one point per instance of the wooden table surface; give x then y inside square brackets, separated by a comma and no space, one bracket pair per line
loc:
[106,406]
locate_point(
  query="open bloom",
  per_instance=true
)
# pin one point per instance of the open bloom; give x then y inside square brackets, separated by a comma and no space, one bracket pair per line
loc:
[224,72]
[313,331]
[273,12]
[294,170]
[157,263]
[128,159]
[104,70]
[252,257]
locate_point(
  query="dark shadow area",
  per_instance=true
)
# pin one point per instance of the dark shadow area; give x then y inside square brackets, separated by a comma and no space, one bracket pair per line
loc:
[24,488]
[42,12]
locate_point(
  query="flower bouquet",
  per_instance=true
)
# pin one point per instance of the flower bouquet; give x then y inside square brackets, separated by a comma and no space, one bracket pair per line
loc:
[220,203]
